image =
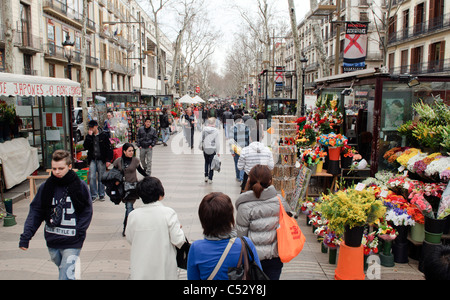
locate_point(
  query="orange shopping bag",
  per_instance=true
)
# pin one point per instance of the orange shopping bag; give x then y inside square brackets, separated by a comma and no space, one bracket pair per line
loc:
[289,236]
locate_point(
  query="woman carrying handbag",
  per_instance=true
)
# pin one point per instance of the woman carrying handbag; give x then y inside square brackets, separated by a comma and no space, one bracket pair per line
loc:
[257,217]
[128,164]
[211,257]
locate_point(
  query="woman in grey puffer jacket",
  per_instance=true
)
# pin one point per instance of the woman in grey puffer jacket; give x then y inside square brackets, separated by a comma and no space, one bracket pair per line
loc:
[258,218]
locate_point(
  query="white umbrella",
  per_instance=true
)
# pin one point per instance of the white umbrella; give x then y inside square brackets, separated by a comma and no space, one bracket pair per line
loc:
[186,99]
[197,99]
[211,99]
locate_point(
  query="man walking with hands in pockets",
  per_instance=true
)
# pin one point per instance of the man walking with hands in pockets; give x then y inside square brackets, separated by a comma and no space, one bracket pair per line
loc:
[146,140]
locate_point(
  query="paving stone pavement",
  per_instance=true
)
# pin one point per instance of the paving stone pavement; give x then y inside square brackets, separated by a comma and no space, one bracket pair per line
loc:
[105,254]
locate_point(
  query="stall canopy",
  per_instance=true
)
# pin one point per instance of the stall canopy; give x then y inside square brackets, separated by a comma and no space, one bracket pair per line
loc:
[197,99]
[186,99]
[27,85]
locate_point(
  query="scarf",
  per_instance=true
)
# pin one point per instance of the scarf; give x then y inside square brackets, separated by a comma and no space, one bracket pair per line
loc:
[73,184]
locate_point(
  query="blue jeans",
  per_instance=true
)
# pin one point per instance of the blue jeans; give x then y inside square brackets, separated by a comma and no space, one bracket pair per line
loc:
[145,155]
[95,184]
[165,132]
[66,261]
[239,173]
[128,208]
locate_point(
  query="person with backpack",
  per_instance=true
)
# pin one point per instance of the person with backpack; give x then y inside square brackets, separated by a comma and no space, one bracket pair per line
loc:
[128,164]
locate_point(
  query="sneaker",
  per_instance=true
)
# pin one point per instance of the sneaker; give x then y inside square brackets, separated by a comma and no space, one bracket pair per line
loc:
[206,178]
[209,181]
[94,199]
[101,198]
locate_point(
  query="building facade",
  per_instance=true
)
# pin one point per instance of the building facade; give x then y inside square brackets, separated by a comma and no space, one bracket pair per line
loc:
[120,44]
[419,37]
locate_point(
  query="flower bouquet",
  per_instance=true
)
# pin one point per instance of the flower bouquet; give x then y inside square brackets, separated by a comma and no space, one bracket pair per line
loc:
[350,208]
[386,232]
[312,157]
[370,243]
[332,140]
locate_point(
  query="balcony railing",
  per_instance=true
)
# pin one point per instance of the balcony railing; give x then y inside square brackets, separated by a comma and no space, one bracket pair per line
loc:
[28,42]
[431,67]
[417,30]
[70,15]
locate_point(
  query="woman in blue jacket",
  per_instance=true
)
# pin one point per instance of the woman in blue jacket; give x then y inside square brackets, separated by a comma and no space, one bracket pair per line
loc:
[216,216]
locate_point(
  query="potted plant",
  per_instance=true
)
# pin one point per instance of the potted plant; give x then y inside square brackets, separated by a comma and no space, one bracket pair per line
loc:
[348,211]
[387,233]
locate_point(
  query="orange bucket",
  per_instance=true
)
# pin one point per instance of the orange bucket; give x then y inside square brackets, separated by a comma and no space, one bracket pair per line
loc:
[350,264]
[334,153]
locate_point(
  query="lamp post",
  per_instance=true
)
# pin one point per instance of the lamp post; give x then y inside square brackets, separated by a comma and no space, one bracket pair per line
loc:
[303,60]
[68,53]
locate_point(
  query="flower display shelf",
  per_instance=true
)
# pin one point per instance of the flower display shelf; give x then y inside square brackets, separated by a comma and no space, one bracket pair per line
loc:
[284,130]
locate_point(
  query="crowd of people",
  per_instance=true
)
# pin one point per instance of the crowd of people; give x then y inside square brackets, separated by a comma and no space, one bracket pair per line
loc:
[65,203]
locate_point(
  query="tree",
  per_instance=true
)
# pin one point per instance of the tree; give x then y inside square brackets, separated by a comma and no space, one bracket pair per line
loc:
[156,9]
[298,69]
[9,36]
[83,82]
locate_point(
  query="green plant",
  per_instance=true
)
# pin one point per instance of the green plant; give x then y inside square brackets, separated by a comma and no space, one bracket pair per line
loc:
[351,208]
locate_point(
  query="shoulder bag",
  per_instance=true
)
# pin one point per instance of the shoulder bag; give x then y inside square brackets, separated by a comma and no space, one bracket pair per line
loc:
[249,270]
[222,258]
[289,236]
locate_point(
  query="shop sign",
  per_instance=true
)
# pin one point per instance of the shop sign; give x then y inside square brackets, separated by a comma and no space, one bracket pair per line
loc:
[11,88]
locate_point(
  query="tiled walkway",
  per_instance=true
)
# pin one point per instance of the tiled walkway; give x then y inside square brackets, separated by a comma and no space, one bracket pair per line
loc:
[105,254]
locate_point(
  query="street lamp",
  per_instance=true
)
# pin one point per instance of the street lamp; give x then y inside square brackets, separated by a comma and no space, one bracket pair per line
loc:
[68,53]
[303,61]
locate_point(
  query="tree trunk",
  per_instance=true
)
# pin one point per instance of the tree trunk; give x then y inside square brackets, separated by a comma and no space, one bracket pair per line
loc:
[9,36]
[83,83]
[298,69]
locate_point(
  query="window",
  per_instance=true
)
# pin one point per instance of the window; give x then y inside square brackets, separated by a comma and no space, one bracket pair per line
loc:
[27,65]
[25,24]
[51,70]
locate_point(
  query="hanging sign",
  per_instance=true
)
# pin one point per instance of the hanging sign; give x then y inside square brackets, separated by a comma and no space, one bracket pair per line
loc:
[355,46]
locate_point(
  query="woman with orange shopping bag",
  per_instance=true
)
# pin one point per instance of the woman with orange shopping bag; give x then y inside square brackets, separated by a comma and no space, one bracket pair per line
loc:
[258,210]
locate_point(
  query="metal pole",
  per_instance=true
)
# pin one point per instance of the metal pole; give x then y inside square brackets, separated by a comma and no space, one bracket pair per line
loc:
[303,91]
[140,50]
[337,46]
[70,106]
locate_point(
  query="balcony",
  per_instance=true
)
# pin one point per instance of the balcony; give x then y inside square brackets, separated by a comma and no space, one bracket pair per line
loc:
[56,53]
[438,67]
[53,52]
[28,43]
[420,30]
[105,64]
[67,14]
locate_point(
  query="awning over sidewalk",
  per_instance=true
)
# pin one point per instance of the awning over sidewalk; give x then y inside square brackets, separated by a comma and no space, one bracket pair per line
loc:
[27,85]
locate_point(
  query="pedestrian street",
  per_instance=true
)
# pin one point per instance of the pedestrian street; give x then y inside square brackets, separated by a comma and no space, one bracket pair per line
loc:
[105,254]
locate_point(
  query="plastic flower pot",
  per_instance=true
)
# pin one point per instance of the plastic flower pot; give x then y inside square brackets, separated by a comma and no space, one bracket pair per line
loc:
[402,236]
[434,225]
[332,256]
[400,252]
[434,238]
[319,167]
[334,153]
[350,264]
[418,232]
[353,236]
